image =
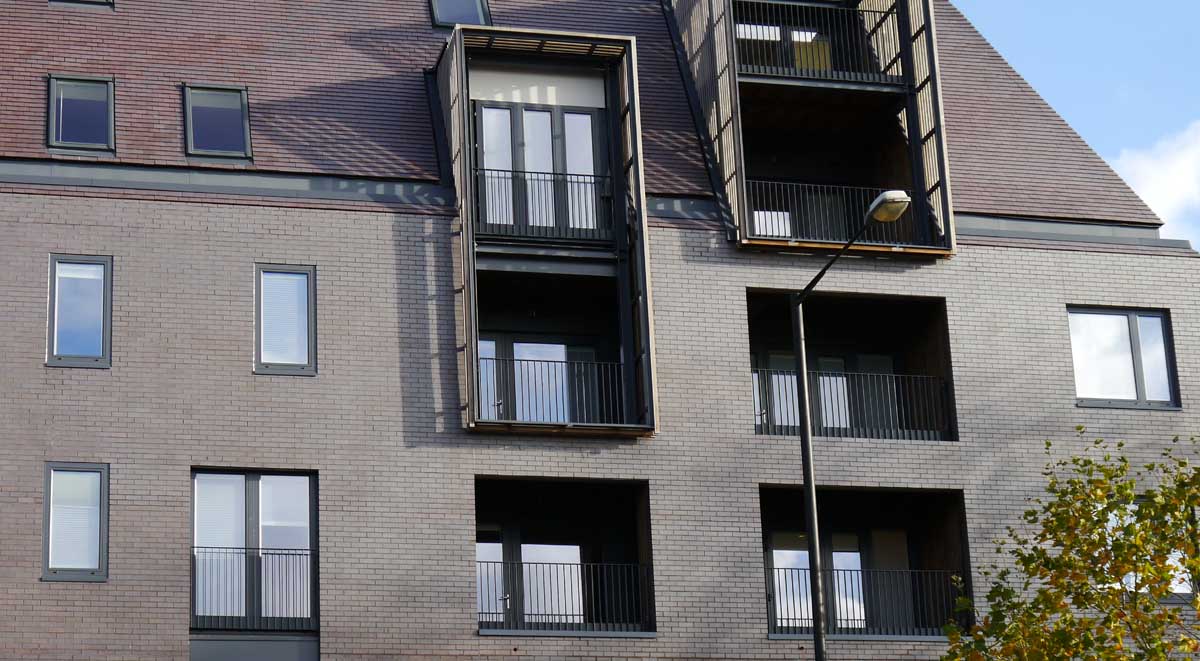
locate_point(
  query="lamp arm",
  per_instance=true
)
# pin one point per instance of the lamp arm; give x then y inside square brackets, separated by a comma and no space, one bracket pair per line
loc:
[821,274]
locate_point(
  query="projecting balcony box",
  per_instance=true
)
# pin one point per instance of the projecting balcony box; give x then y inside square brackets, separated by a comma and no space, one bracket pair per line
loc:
[544,146]
[828,105]
[894,562]
[861,384]
[559,558]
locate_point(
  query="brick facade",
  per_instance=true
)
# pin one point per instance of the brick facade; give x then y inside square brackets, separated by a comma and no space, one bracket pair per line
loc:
[380,424]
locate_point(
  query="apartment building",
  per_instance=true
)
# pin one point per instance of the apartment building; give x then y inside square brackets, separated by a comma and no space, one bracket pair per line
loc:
[461,328]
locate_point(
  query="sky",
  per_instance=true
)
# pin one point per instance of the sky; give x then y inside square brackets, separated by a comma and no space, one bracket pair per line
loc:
[1127,79]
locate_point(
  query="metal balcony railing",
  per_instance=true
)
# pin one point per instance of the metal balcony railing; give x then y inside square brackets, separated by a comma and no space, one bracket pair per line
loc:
[550,392]
[784,211]
[543,205]
[795,40]
[854,405]
[253,589]
[902,602]
[587,597]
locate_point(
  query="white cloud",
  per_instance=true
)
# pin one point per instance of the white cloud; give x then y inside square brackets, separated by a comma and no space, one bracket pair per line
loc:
[1167,176]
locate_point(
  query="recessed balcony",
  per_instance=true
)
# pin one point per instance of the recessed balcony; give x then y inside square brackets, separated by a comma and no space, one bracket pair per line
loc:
[822,43]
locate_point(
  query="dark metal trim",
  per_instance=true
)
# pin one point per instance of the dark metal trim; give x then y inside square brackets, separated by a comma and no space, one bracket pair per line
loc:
[189,145]
[224,182]
[309,368]
[100,574]
[52,113]
[104,361]
[568,634]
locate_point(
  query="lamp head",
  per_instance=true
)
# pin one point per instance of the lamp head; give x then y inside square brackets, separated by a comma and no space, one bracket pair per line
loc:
[889,206]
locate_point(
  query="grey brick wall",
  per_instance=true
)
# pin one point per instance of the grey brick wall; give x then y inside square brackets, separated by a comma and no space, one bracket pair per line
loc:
[380,422]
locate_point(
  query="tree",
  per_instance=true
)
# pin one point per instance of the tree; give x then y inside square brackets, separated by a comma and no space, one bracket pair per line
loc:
[1102,569]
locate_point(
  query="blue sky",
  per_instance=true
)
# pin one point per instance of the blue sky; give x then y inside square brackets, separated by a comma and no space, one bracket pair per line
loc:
[1126,78]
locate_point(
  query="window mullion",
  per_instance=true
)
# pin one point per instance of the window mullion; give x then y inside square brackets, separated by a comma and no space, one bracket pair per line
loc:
[1135,350]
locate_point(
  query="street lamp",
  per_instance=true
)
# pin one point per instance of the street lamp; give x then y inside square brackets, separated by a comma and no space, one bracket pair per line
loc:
[887,208]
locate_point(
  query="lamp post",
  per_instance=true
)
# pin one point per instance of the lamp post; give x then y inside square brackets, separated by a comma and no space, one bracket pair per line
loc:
[887,208]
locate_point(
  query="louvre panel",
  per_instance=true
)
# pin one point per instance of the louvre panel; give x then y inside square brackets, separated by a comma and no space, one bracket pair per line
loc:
[706,30]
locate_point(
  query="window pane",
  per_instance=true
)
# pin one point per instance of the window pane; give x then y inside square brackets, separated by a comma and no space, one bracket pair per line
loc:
[489,368]
[539,167]
[1103,360]
[459,11]
[581,168]
[789,556]
[79,309]
[220,540]
[284,319]
[553,583]
[1154,359]
[218,123]
[498,165]
[541,382]
[284,538]
[847,582]
[74,520]
[81,112]
[489,575]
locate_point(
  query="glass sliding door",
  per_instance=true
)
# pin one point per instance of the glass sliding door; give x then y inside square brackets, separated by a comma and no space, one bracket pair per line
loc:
[497,177]
[539,167]
[540,381]
[553,583]
[582,190]
[220,545]
[791,582]
[284,536]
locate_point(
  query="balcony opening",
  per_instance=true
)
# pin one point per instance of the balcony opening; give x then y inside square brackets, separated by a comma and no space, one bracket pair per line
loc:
[815,160]
[549,349]
[542,154]
[861,383]
[823,41]
[890,560]
[567,558]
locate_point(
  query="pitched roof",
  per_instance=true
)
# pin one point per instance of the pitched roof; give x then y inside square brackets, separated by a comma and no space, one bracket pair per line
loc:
[1011,153]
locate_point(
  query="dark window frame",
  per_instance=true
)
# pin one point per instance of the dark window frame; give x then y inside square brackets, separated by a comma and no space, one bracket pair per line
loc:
[188,135]
[100,574]
[286,369]
[1135,348]
[485,13]
[253,480]
[53,359]
[52,112]
[101,3]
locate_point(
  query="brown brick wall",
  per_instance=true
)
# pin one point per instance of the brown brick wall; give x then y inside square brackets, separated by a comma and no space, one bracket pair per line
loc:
[379,423]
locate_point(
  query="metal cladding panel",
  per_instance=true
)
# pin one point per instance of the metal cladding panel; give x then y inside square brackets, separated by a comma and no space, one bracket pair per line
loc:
[706,28]
[928,137]
[452,87]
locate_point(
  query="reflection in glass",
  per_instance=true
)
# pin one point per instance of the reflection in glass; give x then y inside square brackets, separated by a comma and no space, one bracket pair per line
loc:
[79,310]
[1151,336]
[74,519]
[81,113]
[498,165]
[539,168]
[450,12]
[284,538]
[284,320]
[1102,356]
[541,382]
[789,557]
[581,168]
[220,538]
[849,609]
[492,598]
[489,396]
[553,583]
[218,121]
